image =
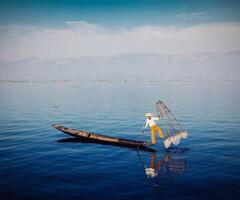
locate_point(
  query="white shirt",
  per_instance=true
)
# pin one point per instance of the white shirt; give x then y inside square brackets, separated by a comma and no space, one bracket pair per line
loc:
[151,122]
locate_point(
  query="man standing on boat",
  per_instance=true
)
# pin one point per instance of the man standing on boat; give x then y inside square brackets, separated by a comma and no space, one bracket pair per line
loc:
[150,121]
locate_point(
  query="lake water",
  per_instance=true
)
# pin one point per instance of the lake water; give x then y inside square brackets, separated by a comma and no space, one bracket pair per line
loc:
[35,165]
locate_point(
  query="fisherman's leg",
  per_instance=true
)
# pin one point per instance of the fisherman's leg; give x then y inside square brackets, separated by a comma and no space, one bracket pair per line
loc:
[153,137]
[160,132]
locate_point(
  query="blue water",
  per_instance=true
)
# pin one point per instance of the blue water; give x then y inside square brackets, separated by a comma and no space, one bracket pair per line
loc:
[34,165]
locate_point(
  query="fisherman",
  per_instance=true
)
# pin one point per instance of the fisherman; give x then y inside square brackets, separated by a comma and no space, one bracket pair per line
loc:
[150,121]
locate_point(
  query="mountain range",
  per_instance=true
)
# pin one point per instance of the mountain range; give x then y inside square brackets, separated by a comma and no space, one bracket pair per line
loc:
[133,66]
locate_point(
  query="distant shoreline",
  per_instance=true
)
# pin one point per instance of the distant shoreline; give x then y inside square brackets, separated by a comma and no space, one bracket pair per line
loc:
[119,80]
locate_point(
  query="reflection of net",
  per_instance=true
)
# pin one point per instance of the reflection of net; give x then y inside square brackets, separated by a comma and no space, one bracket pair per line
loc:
[175,165]
[168,121]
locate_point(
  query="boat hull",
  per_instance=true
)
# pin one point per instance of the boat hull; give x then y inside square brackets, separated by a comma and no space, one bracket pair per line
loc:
[103,139]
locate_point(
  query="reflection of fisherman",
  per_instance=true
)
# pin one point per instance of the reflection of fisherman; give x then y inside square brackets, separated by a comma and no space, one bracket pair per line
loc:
[154,168]
[150,121]
[171,164]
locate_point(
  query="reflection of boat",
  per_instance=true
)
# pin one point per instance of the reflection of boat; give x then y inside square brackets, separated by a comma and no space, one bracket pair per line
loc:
[85,136]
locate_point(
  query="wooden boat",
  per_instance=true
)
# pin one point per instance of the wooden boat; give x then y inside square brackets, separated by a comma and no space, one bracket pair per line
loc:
[103,139]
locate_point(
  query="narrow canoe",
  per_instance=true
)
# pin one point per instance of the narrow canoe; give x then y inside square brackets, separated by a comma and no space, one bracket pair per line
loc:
[103,139]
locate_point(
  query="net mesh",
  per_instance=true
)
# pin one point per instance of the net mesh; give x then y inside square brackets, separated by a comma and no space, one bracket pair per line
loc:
[168,121]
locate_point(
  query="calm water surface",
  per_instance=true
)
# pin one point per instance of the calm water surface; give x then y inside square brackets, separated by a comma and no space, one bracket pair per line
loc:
[35,165]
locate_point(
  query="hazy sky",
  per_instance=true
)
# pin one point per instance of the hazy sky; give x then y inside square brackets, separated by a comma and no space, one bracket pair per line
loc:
[65,28]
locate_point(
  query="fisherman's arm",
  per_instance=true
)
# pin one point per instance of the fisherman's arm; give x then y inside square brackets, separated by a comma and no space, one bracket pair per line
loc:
[145,124]
[156,118]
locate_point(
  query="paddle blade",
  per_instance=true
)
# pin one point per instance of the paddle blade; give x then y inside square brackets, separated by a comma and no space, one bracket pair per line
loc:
[167,142]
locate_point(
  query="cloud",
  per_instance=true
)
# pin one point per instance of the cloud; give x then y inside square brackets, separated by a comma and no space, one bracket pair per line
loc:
[83,27]
[193,15]
[80,38]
